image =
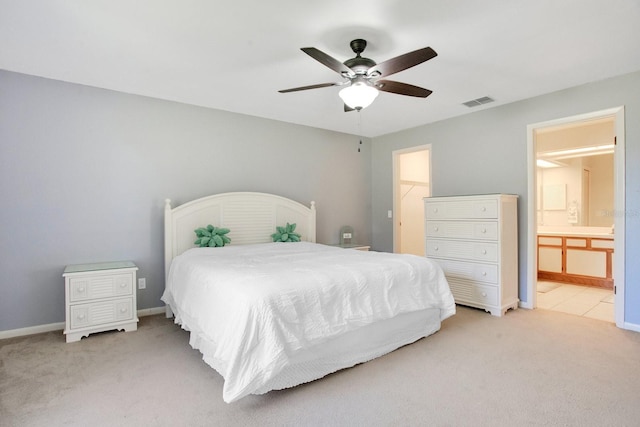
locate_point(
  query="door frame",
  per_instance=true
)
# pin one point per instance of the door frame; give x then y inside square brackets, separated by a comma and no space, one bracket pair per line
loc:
[397,202]
[619,205]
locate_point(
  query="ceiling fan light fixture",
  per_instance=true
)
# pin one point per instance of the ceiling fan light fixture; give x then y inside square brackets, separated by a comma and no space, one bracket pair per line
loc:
[358,95]
[361,75]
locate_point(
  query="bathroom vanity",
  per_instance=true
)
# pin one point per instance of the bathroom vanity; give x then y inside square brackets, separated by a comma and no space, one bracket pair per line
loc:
[580,255]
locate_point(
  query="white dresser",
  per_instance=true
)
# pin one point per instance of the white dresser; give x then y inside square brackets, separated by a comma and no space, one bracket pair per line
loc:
[475,241]
[100,297]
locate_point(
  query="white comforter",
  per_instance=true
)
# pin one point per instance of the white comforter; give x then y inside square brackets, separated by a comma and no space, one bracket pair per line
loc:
[250,308]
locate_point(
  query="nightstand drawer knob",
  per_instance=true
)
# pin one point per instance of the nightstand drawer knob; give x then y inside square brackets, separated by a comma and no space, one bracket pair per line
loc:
[80,316]
[484,273]
[484,252]
[435,248]
[484,230]
[483,209]
[80,289]
[435,228]
[484,294]
[123,310]
[123,285]
[435,210]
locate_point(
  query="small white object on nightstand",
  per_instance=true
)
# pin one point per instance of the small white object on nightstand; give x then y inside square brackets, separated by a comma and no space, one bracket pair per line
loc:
[100,297]
[355,246]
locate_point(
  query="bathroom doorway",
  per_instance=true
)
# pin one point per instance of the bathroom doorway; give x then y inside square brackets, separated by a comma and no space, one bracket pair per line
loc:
[573,202]
[411,184]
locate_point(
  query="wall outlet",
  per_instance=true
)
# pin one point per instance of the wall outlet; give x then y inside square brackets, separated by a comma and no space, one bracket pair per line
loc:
[142,283]
[389,214]
[346,235]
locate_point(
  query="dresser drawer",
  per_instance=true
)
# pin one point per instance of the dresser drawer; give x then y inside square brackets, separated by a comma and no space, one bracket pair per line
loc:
[465,209]
[98,313]
[471,293]
[485,230]
[486,273]
[473,251]
[83,288]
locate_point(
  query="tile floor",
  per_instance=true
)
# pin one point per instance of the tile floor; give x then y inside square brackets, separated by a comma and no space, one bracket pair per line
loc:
[586,301]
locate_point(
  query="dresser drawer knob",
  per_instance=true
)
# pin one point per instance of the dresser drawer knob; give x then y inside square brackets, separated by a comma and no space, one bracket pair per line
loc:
[483,209]
[435,210]
[81,289]
[435,248]
[484,230]
[123,310]
[484,252]
[484,273]
[435,228]
[122,285]
[80,316]
[484,294]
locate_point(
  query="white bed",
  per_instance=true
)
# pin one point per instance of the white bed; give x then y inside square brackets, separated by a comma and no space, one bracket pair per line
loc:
[269,316]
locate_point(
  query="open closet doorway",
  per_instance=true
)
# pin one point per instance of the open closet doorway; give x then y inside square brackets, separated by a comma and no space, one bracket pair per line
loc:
[411,184]
[575,210]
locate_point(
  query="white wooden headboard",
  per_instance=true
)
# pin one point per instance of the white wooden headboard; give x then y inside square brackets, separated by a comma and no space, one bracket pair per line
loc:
[251,217]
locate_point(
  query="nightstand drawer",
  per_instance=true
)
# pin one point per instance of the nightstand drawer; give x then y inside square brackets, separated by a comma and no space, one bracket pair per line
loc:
[98,313]
[96,287]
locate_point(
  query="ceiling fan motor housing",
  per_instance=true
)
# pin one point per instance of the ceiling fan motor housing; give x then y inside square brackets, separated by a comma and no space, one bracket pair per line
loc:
[359,64]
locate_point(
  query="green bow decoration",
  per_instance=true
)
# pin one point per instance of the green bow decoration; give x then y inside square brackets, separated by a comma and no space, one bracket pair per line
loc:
[211,236]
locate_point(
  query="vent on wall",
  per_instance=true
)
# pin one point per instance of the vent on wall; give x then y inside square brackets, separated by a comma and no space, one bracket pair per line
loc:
[478,101]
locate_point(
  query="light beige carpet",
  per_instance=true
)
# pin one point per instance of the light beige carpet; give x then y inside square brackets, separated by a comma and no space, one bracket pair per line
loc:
[527,368]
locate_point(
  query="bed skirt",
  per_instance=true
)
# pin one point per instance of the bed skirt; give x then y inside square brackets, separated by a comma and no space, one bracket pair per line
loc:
[345,351]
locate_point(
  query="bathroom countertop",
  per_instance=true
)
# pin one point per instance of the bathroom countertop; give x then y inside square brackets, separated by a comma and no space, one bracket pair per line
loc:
[595,232]
[576,234]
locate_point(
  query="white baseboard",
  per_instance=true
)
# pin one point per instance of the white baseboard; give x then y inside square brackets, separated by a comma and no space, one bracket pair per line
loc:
[525,304]
[32,330]
[151,311]
[631,327]
[60,325]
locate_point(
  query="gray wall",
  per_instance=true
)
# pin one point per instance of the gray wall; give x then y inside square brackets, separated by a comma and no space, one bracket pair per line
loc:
[84,173]
[486,152]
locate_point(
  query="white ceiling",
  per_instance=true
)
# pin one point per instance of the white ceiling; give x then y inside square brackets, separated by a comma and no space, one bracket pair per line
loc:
[235,56]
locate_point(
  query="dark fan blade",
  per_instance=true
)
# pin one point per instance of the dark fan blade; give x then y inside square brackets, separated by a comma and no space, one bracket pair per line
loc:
[347,108]
[325,59]
[402,62]
[402,88]
[295,89]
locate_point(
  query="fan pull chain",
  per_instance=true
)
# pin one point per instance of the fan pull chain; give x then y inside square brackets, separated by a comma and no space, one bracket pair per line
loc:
[359,128]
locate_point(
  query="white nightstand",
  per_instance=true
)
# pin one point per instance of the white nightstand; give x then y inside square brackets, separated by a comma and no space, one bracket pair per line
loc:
[100,297]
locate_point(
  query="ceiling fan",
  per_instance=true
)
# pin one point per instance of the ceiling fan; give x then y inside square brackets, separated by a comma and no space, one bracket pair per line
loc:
[364,78]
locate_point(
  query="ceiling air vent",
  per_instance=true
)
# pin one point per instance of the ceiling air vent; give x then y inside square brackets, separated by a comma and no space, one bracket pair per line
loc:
[478,101]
